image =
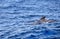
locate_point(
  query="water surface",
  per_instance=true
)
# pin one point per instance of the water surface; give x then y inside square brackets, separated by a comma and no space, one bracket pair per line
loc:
[16,17]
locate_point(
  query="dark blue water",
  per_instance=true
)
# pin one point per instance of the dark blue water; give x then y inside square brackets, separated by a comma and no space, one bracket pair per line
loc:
[17,16]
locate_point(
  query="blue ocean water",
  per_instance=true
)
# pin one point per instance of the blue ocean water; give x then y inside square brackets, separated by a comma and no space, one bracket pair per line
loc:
[17,16]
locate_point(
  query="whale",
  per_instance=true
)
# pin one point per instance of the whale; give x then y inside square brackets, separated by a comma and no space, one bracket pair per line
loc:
[43,19]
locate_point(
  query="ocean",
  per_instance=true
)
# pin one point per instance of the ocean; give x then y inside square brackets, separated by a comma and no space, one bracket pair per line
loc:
[17,18]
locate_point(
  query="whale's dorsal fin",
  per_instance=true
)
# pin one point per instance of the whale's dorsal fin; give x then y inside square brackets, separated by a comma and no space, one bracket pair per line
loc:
[43,17]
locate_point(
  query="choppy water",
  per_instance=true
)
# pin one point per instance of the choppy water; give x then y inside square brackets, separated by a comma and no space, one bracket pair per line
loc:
[16,17]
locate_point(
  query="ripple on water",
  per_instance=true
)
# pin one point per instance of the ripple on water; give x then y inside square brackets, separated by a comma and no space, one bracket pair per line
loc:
[15,16]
